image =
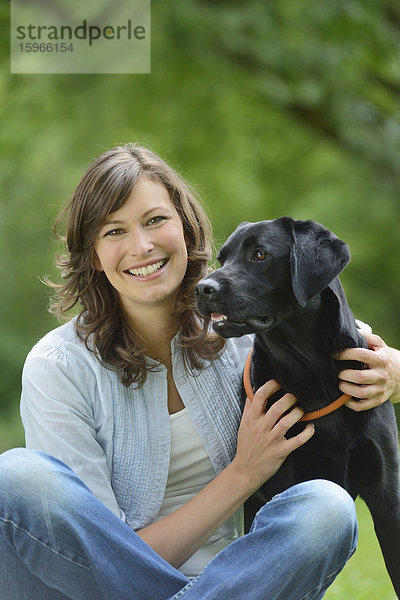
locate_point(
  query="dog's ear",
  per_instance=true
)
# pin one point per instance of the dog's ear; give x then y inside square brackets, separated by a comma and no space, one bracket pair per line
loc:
[317,256]
[243,223]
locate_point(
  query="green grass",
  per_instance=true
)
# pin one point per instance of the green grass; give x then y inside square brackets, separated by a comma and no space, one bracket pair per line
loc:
[364,577]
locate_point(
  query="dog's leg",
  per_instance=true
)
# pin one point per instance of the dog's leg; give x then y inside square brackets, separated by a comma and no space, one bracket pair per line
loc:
[387,528]
[382,496]
[385,511]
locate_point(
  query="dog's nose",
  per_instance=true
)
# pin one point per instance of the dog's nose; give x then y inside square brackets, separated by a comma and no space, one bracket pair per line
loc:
[207,287]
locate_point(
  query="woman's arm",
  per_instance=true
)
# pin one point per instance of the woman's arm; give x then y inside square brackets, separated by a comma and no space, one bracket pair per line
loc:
[58,418]
[262,448]
[376,384]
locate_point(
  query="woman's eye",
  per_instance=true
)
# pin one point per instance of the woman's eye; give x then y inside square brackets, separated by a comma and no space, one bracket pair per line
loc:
[259,255]
[113,232]
[155,220]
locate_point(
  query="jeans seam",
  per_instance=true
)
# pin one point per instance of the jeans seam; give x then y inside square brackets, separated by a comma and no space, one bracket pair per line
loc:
[48,522]
[255,522]
[44,545]
[183,591]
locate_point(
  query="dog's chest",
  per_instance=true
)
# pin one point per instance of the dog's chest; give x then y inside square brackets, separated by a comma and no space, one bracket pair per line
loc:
[313,387]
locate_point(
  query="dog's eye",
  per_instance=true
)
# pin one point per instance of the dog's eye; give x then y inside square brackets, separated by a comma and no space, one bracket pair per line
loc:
[259,255]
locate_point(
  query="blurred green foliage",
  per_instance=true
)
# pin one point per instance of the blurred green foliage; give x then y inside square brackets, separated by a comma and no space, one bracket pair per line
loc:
[269,109]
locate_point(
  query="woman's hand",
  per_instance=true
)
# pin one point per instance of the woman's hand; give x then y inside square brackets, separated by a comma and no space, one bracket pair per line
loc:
[378,382]
[262,446]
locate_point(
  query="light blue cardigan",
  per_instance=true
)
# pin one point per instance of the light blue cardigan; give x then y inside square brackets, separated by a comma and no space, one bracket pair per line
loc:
[117,439]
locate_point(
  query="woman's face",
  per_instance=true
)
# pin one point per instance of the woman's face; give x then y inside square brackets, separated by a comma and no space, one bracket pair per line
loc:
[142,250]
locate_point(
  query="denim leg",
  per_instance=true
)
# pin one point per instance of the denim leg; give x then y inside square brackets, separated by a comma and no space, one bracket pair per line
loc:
[18,582]
[55,535]
[298,543]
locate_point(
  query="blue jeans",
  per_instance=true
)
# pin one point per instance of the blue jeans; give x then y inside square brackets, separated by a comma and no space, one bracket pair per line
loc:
[58,541]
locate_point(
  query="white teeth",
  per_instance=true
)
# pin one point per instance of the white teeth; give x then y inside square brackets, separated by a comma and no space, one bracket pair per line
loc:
[149,270]
[218,319]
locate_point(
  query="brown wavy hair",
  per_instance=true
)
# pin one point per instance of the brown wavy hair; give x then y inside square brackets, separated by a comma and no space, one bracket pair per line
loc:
[101,322]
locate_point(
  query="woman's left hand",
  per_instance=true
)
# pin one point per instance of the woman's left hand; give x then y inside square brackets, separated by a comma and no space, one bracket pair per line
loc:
[377,383]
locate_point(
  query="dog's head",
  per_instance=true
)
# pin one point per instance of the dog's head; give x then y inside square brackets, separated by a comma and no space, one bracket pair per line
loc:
[269,270]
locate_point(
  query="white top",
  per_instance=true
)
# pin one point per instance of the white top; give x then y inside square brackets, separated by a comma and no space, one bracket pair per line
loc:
[190,469]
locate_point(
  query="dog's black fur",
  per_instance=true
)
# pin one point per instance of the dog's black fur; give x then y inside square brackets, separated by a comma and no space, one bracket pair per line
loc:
[279,280]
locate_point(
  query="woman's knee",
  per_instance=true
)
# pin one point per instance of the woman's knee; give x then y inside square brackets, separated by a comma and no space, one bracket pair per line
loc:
[25,474]
[317,512]
[22,465]
[328,514]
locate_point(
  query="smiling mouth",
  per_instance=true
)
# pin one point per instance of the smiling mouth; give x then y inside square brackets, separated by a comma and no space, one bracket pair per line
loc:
[148,270]
[257,324]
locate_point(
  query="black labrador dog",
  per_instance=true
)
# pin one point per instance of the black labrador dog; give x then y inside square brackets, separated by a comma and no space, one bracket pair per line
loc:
[279,280]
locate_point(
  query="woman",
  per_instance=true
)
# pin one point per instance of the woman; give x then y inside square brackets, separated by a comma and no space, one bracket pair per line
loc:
[134,406]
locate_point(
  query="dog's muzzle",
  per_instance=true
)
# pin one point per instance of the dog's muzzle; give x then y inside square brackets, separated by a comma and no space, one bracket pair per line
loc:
[209,296]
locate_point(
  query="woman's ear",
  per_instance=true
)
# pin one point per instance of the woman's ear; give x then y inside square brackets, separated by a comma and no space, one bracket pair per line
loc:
[96,262]
[187,240]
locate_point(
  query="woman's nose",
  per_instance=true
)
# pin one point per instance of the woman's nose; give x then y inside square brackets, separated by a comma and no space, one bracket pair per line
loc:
[140,244]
